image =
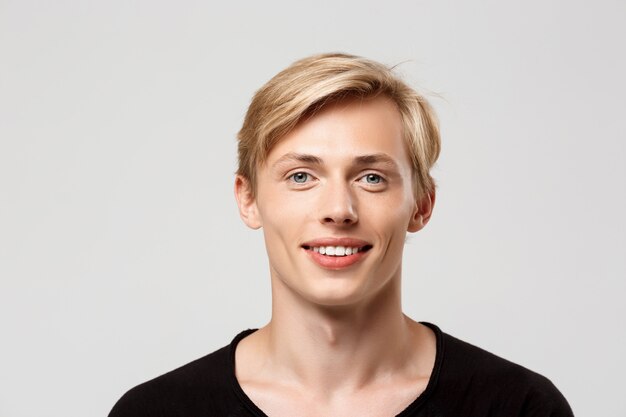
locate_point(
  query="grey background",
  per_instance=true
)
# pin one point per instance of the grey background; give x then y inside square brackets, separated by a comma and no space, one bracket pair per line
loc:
[121,252]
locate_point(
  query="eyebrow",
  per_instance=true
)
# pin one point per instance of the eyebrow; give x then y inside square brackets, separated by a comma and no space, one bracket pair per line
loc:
[298,157]
[377,158]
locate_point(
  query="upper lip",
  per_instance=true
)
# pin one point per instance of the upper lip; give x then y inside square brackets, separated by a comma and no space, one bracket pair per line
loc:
[337,241]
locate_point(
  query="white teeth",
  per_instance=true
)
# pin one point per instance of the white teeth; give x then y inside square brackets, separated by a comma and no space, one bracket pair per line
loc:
[335,250]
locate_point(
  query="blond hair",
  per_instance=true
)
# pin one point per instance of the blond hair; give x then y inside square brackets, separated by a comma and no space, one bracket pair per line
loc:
[310,83]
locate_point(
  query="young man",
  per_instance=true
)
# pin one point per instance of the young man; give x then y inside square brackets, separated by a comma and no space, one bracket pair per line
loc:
[334,161]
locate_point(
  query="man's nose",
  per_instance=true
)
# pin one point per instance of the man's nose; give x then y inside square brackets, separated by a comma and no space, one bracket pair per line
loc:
[338,205]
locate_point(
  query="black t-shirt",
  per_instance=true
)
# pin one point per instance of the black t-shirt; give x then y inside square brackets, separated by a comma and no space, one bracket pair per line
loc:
[466,382]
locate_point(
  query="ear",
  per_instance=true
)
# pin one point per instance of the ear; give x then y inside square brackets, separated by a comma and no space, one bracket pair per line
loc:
[248,210]
[422,212]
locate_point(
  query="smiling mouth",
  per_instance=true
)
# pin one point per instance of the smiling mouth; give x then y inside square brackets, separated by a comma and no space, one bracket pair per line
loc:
[337,251]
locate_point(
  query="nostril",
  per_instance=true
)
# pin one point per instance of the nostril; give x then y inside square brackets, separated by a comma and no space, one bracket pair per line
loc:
[344,221]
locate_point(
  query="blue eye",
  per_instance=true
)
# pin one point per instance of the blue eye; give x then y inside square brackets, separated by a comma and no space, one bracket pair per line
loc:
[300,177]
[373,179]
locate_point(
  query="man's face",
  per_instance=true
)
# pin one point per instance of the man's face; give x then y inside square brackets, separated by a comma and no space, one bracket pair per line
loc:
[335,200]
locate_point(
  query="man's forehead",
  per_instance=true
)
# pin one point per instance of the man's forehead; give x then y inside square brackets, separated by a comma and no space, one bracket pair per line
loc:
[349,131]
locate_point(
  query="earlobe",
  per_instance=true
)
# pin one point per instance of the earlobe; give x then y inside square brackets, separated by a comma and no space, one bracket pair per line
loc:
[248,210]
[422,212]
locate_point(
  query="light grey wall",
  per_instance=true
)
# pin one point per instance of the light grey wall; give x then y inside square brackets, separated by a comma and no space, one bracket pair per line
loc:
[121,252]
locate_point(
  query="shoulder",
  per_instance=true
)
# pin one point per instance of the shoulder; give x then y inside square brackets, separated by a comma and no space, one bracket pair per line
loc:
[186,391]
[473,377]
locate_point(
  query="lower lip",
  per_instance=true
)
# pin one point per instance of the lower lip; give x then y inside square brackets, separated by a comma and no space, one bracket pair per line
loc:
[335,262]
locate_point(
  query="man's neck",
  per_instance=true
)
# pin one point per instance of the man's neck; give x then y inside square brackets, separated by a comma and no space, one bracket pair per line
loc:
[340,349]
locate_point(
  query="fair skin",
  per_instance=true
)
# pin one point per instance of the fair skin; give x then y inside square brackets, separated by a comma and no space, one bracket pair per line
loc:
[337,343]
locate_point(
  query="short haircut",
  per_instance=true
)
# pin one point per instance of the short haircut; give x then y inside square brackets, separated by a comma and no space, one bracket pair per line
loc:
[307,85]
